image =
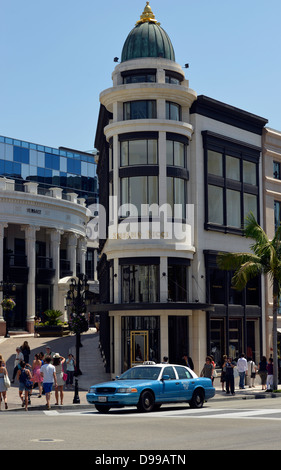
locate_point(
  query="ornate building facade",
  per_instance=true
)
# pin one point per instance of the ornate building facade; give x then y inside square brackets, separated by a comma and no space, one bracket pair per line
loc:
[179,173]
[44,198]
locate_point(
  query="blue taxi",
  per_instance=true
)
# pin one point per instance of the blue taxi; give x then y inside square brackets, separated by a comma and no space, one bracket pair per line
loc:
[148,386]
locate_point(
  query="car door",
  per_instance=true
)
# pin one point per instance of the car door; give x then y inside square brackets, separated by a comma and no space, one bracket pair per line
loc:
[186,383]
[171,385]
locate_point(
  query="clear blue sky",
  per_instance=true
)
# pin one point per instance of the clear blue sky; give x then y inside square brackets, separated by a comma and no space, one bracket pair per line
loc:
[57,56]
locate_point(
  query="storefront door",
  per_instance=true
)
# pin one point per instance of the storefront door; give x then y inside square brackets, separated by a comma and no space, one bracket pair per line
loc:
[139,347]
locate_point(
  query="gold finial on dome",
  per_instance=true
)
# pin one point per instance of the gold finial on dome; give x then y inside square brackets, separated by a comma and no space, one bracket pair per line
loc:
[147,16]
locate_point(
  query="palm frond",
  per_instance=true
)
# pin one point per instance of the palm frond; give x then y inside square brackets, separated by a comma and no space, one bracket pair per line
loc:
[245,273]
[255,231]
[233,261]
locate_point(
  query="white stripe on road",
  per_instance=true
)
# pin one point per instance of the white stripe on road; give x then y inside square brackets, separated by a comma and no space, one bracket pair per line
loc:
[202,413]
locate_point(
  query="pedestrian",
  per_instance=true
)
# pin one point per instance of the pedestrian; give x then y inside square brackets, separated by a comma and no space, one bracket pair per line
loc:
[252,370]
[224,359]
[70,368]
[25,349]
[242,368]
[3,389]
[229,375]
[187,361]
[165,360]
[263,372]
[58,362]
[41,357]
[48,373]
[48,353]
[208,369]
[269,381]
[36,376]
[25,384]
[19,357]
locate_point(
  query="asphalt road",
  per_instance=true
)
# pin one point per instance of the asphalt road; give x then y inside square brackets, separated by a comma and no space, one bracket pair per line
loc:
[235,425]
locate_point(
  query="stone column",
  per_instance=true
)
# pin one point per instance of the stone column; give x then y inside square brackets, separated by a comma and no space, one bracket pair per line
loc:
[2,322]
[30,241]
[71,251]
[82,250]
[55,238]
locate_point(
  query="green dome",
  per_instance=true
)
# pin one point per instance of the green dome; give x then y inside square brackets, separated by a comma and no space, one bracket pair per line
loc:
[147,39]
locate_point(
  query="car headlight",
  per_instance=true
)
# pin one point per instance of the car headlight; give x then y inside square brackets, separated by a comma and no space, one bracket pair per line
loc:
[126,390]
[92,390]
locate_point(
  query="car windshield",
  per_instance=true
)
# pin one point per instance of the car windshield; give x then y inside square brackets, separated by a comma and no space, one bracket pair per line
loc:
[138,373]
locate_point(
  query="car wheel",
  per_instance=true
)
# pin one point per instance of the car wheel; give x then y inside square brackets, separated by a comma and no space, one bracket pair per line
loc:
[146,402]
[102,408]
[197,400]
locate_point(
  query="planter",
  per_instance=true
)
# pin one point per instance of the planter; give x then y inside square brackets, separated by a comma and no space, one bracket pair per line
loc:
[49,331]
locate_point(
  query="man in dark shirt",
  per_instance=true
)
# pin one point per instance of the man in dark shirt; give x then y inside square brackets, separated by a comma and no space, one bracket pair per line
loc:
[229,375]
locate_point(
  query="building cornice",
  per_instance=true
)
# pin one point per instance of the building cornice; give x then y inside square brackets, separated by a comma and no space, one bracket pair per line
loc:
[145,125]
[139,91]
[228,114]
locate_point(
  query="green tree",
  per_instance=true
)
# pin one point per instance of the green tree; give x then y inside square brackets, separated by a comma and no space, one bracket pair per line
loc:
[264,258]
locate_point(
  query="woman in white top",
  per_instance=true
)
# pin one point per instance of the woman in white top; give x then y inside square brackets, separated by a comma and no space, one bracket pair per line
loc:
[3,390]
[58,362]
[252,369]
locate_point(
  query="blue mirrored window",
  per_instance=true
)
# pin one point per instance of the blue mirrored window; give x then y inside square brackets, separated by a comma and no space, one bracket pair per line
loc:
[52,161]
[73,166]
[21,155]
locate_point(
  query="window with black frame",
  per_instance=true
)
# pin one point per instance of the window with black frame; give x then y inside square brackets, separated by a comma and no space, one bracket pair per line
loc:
[220,289]
[276,170]
[177,281]
[173,111]
[142,109]
[138,152]
[232,188]
[139,77]
[176,153]
[140,283]
[177,196]
[138,191]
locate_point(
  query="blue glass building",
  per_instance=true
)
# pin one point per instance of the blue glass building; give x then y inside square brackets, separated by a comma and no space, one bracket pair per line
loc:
[68,169]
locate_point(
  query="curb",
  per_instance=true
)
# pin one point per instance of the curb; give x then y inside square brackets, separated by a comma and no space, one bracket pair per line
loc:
[43,408]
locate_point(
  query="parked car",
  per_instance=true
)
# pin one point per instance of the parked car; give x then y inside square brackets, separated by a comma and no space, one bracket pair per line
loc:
[149,386]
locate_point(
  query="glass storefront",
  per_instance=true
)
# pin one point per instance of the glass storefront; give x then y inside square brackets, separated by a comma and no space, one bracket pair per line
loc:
[242,337]
[140,340]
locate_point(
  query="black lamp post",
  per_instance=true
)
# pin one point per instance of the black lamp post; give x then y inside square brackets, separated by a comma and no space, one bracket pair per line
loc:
[77,300]
[5,288]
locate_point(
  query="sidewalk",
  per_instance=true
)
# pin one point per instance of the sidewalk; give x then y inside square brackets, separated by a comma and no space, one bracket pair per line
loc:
[92,368]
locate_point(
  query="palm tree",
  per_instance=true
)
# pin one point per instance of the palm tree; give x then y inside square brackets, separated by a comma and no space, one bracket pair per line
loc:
[265,258]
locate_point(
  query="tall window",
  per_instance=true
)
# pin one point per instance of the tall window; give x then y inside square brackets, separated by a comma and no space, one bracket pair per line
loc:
[221,290]
[173,111]
[176,153]
[277,214]
[140,283]
[232,185]
[138,190]
[176,196]
[143,109]
[177,282]
[276,170]
[139,152]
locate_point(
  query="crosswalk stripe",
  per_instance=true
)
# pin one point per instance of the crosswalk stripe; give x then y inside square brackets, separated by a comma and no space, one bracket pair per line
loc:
[203,413]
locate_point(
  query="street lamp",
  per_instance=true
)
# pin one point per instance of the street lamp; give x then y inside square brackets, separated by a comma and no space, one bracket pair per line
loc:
[77,299]
[7,303]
